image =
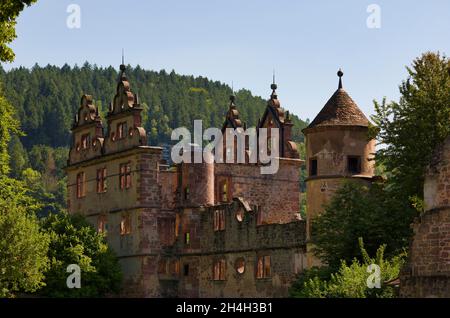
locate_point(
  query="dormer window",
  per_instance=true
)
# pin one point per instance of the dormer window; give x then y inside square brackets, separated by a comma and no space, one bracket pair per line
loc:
[85,141]
[121,130]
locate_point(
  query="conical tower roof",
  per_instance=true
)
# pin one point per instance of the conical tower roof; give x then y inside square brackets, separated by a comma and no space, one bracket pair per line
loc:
[340,110]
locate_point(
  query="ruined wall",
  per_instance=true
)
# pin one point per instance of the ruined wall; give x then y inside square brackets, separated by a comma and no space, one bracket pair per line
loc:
[277,195]
[427,273]
[284,243]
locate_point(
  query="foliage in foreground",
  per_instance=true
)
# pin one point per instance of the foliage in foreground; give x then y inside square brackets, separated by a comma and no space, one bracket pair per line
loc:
[363,211]
[23,245]
[413,127]
[74,241]
[351,281]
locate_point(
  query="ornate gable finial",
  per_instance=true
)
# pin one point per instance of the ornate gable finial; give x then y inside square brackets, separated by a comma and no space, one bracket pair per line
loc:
[232,116]
[87,112]
[273,87]
[122,75]
[273,101]
[340,74]
[124,98]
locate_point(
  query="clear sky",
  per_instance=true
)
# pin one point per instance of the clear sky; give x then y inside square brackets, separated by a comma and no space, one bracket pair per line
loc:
[244,40]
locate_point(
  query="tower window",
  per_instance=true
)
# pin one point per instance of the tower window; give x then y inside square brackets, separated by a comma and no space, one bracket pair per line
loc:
[187,238]
[354,164]
[186,269]
[313,167]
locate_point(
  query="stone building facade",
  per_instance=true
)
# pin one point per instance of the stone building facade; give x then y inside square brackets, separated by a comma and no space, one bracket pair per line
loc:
[206,229]
[427,273]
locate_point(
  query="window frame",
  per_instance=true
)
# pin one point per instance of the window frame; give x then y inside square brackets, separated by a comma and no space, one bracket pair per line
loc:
[101,180]
[85,141]
[81,185]
[219,269]
[125,224]
[263,267]
[358,164]
[121,130]
[102,223]
[125,176]
[313,167]
[219,220]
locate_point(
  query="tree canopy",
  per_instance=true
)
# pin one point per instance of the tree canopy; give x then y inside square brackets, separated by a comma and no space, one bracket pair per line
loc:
[413,127]
[10,10]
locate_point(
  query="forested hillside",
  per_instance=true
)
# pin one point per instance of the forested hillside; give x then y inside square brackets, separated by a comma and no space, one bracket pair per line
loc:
[46,99]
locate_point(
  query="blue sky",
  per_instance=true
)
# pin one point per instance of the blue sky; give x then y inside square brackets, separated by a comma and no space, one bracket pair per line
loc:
[244,40]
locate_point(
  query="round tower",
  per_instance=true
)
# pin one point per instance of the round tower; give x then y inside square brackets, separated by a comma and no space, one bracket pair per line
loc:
[337,148]
[198,180]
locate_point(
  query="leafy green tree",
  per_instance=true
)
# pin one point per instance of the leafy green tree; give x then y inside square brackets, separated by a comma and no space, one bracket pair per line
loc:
[362,211]
[18,157]
[10,10]
[23,246]
[351,281]
[411,128]
[74,241]
[9,125]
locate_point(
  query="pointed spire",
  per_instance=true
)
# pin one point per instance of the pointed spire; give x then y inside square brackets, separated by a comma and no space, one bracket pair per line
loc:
[122,68]
[232,96]
[340,74]
[273,87]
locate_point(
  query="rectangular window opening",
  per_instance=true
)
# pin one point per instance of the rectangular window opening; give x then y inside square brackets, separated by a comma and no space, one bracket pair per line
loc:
[354,164]
[313,167]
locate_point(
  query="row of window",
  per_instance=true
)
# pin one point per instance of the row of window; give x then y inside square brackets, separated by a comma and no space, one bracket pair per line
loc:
[124,180]
[353,165]
[219,219]
[120,133]
[263,268]
[125,224]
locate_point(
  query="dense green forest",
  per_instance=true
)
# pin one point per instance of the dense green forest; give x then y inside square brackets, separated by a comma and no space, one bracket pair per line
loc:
[46,99]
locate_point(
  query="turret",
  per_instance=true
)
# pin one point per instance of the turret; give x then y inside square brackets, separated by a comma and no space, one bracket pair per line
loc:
[337,148]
